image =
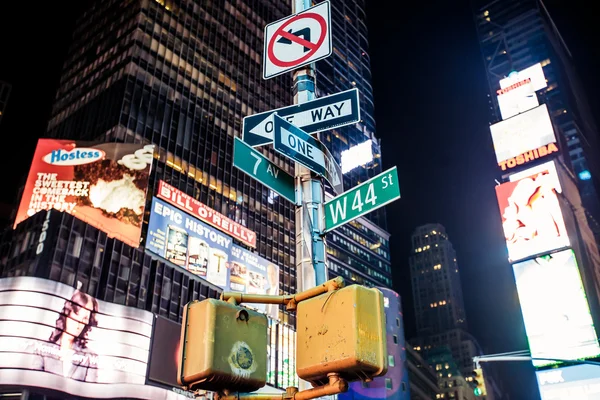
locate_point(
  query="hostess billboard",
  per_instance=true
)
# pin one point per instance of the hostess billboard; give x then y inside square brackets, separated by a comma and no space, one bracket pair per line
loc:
[56,337]
[204,251]
[102,184]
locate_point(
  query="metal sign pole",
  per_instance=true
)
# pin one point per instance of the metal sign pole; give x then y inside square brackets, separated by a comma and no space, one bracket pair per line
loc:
[310,245]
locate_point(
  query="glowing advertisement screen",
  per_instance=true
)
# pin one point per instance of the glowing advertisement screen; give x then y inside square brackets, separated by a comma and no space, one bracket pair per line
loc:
[102,184]
[523,138]
[210,254]
[569,383]
[56,337]
[531,216]
[535,74]
[517,99]
[555,310]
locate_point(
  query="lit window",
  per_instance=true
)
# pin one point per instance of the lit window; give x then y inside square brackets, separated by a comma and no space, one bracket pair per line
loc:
[388,384]
[391,361]
[486,13]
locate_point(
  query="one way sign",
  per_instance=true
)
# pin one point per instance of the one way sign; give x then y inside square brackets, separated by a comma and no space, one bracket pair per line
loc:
[297,40]
[317,115]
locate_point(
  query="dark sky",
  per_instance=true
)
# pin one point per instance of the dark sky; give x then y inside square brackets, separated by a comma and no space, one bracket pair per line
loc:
[431,114]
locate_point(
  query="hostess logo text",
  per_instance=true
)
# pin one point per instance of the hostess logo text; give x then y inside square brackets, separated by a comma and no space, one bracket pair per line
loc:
[74,157]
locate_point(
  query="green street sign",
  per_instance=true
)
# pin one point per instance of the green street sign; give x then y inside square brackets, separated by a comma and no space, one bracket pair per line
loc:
[262,169]
[362,199]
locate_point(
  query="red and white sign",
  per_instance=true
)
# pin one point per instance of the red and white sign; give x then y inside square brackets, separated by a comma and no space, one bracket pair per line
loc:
[297,40]
[204,213]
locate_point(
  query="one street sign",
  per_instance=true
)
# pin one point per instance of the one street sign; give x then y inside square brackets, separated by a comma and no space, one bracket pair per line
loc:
[308,151]
[317,115]
[297,40]
[263,170]
[362,199]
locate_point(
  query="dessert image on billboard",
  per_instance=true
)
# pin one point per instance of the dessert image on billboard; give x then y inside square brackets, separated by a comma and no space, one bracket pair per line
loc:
[103,184]
[531,216]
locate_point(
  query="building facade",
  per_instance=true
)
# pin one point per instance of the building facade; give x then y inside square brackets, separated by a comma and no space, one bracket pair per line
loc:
[423,380]
[516,35]
[181,75]
[439,307]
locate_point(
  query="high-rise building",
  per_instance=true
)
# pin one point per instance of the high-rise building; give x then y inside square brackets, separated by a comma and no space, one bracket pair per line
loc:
[423,379]
[517,35]
[4,94]
[439,306]
[181,75]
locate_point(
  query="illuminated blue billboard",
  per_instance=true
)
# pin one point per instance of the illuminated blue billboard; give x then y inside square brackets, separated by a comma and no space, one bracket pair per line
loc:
[204,251]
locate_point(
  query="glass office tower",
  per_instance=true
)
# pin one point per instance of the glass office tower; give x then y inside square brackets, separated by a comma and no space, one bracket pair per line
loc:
[182,75]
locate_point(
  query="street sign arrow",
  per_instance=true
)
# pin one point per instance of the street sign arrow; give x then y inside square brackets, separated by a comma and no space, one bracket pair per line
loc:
[324,113]
[362,199]
[308,151]
[262,169]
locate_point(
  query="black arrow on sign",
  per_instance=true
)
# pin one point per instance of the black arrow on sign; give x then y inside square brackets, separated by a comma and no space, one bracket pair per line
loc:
[304,33]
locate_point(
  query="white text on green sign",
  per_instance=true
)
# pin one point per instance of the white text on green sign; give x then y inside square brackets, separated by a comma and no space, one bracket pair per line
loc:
[364,198]
[259,167]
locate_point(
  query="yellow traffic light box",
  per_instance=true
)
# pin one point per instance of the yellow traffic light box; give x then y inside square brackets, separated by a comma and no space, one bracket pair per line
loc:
[223,347]
[341,332]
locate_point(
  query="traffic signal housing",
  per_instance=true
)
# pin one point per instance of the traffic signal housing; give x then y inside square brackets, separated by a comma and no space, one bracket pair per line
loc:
[341,332]
[479,389]
[223,347]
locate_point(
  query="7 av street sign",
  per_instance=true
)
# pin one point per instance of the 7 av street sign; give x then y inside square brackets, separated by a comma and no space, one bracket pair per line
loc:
[317,115]
[308,151]
[362,199]
[263,170]
[297,40]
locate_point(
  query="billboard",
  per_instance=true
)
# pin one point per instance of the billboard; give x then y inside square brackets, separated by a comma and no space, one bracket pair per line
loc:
[56,337]
[555,310]
[517,99]
[531,216]
[568,383]
[210,254]
[205,214]
[534,74]
[102,184]
[523,138]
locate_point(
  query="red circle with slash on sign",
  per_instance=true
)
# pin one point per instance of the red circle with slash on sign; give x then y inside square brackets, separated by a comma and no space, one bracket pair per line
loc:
[312,46]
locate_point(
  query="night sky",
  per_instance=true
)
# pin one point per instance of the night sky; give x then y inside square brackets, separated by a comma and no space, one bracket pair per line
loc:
[432,118]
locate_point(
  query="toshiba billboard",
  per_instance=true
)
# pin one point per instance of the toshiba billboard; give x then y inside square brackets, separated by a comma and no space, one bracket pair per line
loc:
[524,138]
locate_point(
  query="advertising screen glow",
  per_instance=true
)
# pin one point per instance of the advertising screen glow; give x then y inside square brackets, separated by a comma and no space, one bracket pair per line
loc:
[517,100]
[355,156]
[569,383]
[531,216]
[524,137]
[54,336]
[102,184]
[535,74]
[555,309]
[210,254]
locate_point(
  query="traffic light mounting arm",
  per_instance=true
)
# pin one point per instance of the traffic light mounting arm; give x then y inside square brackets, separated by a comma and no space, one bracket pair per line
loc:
[290,301]
[335,385]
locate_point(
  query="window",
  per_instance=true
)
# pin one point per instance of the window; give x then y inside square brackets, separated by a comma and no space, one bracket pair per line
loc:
[391,361]
[388,383]
[395,339]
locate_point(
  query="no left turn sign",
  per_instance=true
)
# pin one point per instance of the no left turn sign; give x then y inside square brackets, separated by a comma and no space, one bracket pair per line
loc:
[297,40]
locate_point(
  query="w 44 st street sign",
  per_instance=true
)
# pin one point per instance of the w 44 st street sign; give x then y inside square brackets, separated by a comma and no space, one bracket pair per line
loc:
[362,199]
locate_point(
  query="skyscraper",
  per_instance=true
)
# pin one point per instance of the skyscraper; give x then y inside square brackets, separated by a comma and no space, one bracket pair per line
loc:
[439,306]
[516,35]
[181,75]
